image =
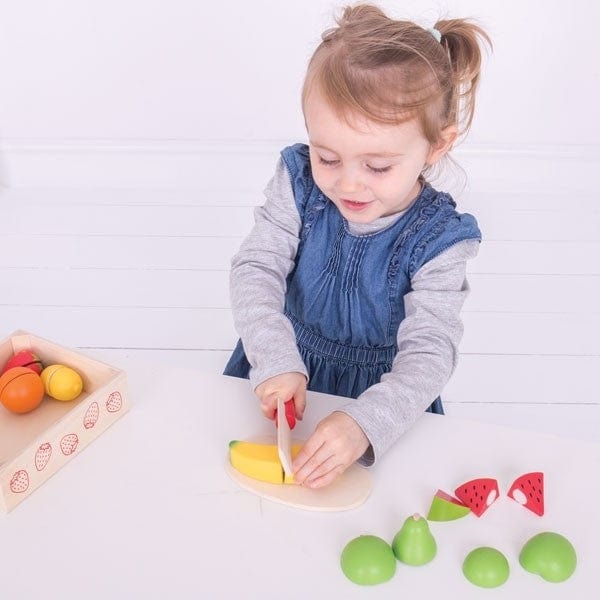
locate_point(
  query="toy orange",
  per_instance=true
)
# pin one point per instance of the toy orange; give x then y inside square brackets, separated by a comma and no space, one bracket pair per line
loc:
[21,390]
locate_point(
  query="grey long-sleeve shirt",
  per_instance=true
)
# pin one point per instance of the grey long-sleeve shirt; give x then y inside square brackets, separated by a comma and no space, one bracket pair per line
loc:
[427,339]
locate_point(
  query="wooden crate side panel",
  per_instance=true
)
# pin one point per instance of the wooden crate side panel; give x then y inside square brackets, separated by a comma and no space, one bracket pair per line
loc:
[59,444]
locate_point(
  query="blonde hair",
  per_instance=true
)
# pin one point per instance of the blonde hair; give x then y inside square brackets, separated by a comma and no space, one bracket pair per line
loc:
[392,71]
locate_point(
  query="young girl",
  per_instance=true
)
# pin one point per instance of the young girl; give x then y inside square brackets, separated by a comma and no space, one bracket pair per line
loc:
[352,279]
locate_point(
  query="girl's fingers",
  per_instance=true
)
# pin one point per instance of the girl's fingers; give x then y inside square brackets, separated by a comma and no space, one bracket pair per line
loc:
[331,472]
[310,457]
[285,386]
[268,406]
[321,468]
[300,402]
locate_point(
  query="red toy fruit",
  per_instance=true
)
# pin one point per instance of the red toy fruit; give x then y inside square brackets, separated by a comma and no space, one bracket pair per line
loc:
[478,494]
[528,490]
[21,390]
[24,358]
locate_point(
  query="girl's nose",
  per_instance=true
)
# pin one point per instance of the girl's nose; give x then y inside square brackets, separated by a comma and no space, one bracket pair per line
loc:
[349,181]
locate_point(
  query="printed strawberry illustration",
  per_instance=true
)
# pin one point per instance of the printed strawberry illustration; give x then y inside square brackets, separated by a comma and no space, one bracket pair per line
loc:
[478,494]
[528,490]
[91,415]
[42,456]
[19,482]
[114,402]
[68,444]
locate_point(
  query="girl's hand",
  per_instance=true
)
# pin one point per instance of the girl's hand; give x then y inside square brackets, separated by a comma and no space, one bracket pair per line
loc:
[284,386]
[337,442]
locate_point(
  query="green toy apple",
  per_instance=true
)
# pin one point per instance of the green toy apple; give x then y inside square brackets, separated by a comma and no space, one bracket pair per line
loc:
[549,555]
[368,560]
[486,567]
[414,544]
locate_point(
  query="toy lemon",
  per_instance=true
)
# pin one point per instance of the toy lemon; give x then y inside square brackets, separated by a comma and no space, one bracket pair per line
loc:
[61,382]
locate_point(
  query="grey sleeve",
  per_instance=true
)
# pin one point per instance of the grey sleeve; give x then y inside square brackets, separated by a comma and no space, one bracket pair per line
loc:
[258,283]
[428,339]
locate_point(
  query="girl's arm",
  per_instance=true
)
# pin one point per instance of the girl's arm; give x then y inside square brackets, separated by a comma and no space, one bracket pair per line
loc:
[258,283]
[428,340]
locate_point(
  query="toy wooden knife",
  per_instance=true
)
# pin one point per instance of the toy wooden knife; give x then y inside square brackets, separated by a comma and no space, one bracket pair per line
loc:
[284,438]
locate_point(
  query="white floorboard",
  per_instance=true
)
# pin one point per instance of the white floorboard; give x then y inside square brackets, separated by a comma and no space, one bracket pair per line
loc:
[571,418]
[135,274]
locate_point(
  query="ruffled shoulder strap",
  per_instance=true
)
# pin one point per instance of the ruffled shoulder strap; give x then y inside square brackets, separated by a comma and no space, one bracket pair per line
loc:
[308,197]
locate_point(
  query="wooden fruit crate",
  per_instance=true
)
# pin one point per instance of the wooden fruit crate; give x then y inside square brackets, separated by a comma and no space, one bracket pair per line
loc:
[35,445]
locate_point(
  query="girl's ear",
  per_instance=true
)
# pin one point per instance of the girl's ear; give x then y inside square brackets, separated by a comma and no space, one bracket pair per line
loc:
[444,144]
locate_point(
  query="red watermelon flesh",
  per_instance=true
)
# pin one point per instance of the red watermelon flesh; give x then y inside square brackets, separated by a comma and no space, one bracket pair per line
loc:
[528,490]
[478,494]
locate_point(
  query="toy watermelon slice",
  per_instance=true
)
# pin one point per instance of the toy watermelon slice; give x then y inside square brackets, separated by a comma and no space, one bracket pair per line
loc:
[445,507]
[478,494]
[528,490]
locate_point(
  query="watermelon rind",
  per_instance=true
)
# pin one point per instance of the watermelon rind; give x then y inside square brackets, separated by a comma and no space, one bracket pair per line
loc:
[444,508]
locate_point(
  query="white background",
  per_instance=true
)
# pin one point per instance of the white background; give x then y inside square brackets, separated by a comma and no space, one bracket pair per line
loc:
[136,136]
[188,70]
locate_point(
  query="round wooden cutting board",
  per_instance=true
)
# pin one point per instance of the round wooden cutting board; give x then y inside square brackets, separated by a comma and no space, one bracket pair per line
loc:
[348,491]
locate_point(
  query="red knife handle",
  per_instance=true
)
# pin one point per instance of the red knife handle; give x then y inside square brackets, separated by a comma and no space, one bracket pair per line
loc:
[290,413]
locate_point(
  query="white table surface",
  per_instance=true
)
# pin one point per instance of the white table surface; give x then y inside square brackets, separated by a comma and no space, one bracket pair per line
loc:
[148,511]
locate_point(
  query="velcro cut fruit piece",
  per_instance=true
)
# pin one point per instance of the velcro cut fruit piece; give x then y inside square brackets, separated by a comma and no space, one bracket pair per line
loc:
[478,494]
[528,490]
[445,507]
[259,461]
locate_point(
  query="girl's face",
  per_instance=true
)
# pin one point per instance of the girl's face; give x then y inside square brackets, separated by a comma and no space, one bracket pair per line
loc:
[368,170]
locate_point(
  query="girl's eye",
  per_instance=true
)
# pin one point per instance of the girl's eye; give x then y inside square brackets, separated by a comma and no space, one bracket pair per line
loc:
[328,163]
[378,169]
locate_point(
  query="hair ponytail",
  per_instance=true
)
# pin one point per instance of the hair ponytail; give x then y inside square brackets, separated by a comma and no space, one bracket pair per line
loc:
[463,41]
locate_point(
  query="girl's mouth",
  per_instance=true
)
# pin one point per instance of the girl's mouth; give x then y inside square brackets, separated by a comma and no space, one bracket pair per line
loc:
[355,206]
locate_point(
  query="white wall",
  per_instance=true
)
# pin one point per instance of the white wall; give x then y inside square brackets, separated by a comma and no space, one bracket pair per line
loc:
[184,69]
[136,136]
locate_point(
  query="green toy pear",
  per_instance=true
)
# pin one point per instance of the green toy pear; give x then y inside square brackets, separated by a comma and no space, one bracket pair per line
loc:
[414,544]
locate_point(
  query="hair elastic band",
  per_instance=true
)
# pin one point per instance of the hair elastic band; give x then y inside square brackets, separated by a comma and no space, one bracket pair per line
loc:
[435,33]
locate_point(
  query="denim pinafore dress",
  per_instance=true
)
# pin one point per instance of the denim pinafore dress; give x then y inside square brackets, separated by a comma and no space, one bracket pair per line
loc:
[345,294]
